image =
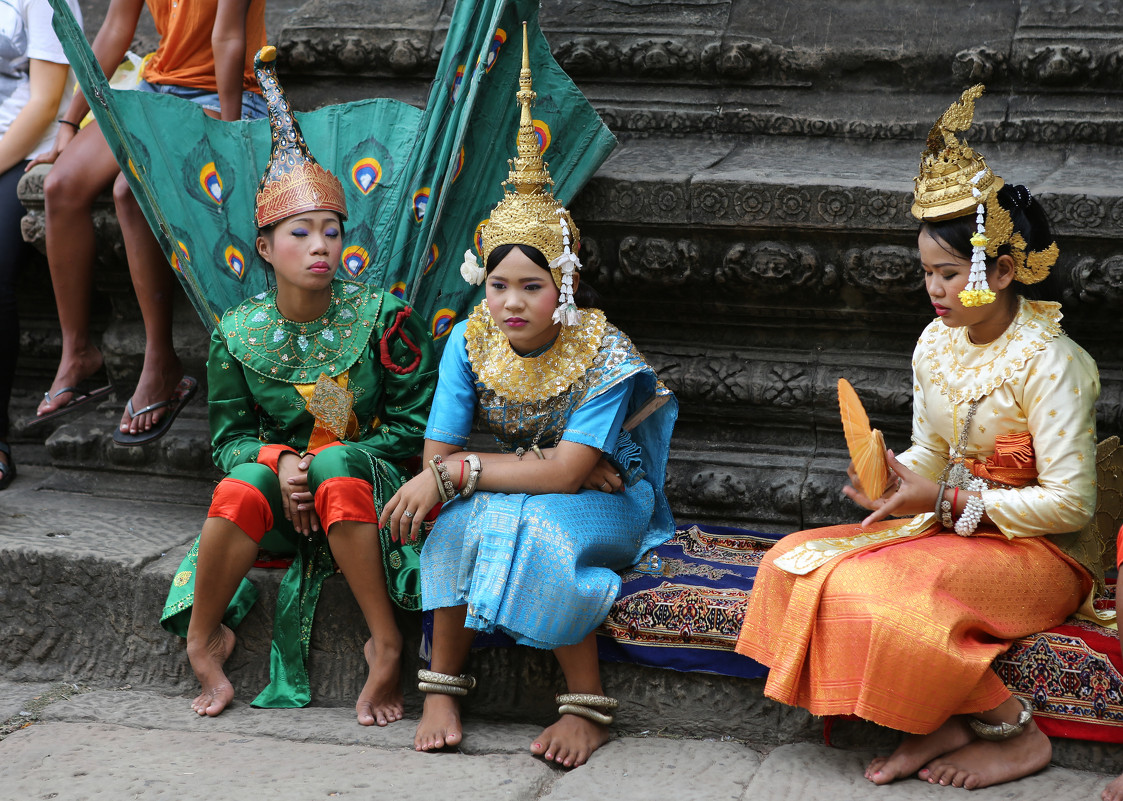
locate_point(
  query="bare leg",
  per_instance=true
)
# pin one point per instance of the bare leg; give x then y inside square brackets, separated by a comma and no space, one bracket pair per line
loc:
[982,763]
[154,283]
[226,554]
[440,719]
[573,739]
[918,750]
[357,550]
[84,170]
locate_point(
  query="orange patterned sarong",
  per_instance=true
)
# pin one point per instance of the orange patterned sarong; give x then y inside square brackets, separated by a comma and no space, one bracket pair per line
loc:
[903,632]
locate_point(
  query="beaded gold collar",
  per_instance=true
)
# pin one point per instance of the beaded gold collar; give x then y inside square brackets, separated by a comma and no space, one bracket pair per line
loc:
[531,378]
[267,343]
[965,372]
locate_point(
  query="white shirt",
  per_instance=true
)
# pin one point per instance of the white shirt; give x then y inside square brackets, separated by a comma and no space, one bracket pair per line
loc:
[26,33]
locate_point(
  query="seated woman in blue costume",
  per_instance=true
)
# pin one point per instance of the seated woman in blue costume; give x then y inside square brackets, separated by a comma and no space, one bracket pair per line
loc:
[529,539]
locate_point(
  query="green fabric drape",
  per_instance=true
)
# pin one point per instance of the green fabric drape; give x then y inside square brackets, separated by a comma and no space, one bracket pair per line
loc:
[418,183]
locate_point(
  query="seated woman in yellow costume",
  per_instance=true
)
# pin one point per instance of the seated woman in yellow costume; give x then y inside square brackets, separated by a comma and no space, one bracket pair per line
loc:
[898,622]
[318,394]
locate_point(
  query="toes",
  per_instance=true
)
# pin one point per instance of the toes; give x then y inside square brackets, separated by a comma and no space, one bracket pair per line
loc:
[537,748]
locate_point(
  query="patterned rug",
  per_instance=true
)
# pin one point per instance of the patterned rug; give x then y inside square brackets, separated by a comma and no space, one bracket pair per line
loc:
[682,607]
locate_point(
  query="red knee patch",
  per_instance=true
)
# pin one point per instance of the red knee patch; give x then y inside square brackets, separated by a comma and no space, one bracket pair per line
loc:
[244,505]
[345,498]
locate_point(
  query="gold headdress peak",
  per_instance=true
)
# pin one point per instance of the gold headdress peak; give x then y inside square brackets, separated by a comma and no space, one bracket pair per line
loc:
[953,178]
[955,181]
[530,214]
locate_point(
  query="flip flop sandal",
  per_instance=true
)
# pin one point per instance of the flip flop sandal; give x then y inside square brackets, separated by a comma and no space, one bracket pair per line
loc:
[82,395]
[183,393]
[8,470]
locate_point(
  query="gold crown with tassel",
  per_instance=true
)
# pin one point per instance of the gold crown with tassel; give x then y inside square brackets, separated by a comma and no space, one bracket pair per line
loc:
[530,214]
[954,180]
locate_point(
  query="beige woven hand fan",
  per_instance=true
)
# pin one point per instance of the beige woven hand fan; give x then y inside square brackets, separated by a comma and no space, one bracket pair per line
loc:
[867,446]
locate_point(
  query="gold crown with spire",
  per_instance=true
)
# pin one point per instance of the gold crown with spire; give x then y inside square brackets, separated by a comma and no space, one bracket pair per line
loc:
[531,215]
[954,180]
[293,182]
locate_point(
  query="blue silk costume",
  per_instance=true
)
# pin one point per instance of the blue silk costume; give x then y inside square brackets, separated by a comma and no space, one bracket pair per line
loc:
[543,568]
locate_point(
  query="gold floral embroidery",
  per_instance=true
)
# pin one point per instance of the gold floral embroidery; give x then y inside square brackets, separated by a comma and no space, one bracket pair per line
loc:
[524,379]
[978,370]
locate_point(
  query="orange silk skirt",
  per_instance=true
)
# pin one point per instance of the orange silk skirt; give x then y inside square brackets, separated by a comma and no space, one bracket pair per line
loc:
[904,633]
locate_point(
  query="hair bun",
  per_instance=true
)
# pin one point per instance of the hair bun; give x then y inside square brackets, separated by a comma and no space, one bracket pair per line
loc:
[1022,198]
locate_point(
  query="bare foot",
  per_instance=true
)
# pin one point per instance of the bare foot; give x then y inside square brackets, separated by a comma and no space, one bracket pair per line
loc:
[156,383]
[1114,791]
[71,372]
[381,699]
[570,741]
[207,658]
[983,762]
[440,724]
[918,749]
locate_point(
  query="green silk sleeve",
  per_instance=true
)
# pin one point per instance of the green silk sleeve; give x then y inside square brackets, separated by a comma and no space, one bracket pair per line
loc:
[409,377]
[231,408]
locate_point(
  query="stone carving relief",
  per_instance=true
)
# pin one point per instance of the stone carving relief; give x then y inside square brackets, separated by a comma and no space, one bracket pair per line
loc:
[979,65]
[775,267]
[1099,282]
[1058,65]
[661,261]
[884,270]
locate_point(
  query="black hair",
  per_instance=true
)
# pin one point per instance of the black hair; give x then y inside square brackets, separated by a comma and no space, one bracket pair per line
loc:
[585,297]
[1029,219]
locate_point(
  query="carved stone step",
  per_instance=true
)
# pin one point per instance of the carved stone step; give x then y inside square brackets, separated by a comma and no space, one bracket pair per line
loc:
[751,67]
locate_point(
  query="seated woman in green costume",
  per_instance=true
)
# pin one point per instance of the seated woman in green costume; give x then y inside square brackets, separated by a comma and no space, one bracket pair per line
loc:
[319,391]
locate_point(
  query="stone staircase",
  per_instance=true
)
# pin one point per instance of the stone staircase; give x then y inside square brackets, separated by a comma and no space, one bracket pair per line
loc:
[752,231]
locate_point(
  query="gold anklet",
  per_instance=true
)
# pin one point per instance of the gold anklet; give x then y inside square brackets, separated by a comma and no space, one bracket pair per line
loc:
[430,681]
[1003,731]
[586,705]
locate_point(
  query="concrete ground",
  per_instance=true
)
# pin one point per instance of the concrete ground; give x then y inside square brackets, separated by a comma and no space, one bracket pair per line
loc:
[65,743]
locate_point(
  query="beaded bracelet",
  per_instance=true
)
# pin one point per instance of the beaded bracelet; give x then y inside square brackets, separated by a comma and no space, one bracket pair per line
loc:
[444,481]
[474,468]
[972,511]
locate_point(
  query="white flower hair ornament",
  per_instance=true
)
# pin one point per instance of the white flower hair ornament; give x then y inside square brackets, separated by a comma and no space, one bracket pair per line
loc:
[471,271]
[567,312]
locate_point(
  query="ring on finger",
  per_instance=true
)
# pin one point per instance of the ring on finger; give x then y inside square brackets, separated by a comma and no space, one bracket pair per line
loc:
[407,513]
[604,484]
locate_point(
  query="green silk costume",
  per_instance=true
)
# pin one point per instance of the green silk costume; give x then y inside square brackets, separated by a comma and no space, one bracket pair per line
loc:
[258,363]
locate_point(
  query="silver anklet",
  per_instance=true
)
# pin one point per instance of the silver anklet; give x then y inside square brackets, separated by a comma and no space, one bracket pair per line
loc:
[430,681]
[591,707]
[1003,731]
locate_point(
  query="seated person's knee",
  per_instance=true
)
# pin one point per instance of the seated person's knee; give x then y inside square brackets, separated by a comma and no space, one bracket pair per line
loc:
[123,194]
[329,463]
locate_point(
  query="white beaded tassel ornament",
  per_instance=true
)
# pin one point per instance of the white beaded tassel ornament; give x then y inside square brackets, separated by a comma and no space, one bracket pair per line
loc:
[977,291]
[567,312]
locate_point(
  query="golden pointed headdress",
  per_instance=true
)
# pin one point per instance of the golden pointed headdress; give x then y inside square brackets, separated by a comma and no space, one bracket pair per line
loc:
[530,215]
[293,182]
[954,180]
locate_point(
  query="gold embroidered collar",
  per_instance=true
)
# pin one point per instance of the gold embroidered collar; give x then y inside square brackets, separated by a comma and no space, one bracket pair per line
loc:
[964,371]
[531,378]
[271,345]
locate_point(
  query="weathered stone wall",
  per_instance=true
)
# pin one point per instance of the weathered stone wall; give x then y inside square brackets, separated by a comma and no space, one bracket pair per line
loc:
[752,231]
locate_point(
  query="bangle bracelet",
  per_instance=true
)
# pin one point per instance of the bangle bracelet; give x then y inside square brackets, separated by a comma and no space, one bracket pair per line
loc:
[73,125]
[954,500]
[474,469]
[537,451]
